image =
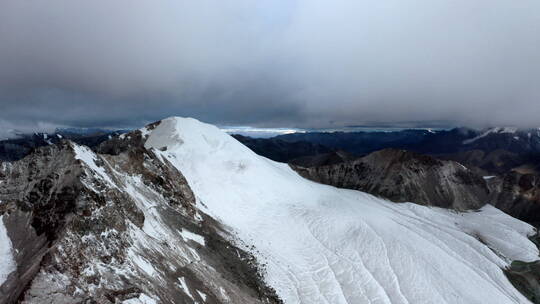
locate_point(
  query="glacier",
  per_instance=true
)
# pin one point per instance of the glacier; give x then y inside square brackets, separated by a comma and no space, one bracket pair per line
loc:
[320,244]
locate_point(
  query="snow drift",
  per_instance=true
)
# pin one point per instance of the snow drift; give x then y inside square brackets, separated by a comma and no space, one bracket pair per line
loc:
[320,244]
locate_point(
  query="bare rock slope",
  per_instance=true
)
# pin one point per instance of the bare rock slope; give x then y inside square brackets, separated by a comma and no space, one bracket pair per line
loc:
[121,226]
[405,176]
[517,194]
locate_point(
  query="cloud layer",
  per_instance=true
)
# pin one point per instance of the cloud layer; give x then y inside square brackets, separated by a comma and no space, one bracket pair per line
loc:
[270,63]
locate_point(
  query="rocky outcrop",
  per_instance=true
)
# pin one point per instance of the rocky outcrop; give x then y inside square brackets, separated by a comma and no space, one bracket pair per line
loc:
[525,276]
[401,176]
[36,196]
[517,194]
[119,226]
[404,176]
[494,162]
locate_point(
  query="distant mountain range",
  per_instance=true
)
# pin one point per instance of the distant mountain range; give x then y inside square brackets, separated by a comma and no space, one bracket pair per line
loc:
[23,144]
[282,150]
[426,141]
[494,150]
[498,165]
[509,157]
[515,143]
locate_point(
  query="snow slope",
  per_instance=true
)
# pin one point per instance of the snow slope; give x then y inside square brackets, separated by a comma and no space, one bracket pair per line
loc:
[321,244]
[7,264]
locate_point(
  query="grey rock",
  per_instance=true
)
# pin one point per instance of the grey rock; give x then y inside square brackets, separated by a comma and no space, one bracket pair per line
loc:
[517,194]
[404,176]
[110,229]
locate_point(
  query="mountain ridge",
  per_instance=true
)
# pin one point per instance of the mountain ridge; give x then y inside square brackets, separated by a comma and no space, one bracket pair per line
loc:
[405,176]
[180,212]
[105,243]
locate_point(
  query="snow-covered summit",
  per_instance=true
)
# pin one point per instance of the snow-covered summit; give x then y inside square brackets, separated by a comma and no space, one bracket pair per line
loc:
[189,133]
[321,244]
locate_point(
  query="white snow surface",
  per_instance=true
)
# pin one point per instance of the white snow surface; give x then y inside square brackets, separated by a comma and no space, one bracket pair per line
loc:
[321,244]
[88,157]
[202,295]
[188,235]
[184,287]
[7,263]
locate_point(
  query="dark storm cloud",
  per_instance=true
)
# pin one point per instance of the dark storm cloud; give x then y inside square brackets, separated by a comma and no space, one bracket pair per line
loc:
[287,63]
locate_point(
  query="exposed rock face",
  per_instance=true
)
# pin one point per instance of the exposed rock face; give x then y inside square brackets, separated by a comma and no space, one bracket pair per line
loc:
[404,176]
[517,194]
[119,226]
[525,276]
[407,176]
[495,162]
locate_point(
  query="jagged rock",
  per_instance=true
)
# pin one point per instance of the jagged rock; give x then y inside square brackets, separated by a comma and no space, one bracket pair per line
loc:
[525,276]
[118,226]
[517,194]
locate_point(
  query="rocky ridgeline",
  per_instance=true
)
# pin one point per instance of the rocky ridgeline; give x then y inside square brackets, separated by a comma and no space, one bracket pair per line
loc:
[404,176]
[517,194]
[120,225]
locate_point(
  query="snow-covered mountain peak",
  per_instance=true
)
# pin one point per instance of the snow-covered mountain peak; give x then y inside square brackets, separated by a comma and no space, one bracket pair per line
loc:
[321,244]
[190,134]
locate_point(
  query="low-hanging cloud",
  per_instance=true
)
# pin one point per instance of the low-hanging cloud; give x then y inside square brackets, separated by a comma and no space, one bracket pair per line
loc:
[274,63]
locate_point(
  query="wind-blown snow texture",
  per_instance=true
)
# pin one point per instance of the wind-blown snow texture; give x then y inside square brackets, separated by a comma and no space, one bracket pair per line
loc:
[321,244]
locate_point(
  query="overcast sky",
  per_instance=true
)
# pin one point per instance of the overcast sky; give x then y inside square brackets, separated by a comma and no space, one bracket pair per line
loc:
[303,63]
